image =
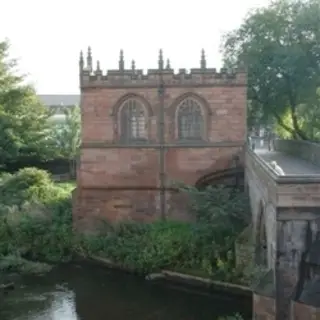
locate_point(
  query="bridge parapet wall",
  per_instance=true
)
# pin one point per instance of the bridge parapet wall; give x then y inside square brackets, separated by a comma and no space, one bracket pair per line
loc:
[290,216]
[288,205]
[263,199]
[306,150]
[291,190]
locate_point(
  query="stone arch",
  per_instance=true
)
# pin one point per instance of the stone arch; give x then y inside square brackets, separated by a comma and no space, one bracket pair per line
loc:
[261,239]
[142,113]
[141,99]
[199,109]
[224,167]
[231,177]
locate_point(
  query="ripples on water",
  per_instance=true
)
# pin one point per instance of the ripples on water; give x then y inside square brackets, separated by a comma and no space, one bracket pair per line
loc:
[93,293]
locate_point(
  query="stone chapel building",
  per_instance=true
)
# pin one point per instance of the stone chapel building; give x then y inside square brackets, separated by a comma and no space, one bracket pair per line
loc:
[141,133]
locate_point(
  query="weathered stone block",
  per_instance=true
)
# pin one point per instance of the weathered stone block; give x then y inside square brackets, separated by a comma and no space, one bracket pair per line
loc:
[264,308]
[300,311]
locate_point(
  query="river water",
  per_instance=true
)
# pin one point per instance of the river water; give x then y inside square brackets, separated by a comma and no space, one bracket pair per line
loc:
[85,292]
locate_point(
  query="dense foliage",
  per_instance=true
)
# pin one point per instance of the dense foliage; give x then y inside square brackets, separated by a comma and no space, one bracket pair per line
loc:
[66,136]
[36,223]
[280,45]
[23,119]
[205,246]
[35,219]
[27,132]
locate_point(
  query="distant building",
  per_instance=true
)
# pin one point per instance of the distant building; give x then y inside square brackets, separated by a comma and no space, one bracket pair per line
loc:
[59,100]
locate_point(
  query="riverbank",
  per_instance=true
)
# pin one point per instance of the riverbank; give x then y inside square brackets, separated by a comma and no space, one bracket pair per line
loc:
[84,287]
[183,282]
[36,225]
[13,267]
[184,278]
[19,266]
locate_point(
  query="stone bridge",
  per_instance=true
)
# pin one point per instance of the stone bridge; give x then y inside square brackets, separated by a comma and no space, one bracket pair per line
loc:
[286,229]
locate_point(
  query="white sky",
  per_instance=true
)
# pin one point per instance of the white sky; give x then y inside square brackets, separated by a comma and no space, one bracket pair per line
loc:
[47,36]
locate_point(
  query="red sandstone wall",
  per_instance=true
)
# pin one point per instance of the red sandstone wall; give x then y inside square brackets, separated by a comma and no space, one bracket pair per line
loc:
[190,164]
[131,168]
[227,105]
[119,183]
[96,204]
[119,167]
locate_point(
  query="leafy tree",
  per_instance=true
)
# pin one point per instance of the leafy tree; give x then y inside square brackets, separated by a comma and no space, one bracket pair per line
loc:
[23,119]
[66,135]
[280,45]
[309,120]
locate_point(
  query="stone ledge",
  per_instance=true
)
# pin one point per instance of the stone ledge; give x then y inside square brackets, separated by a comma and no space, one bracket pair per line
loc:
[181,278]
[109,264]
[287,179]
[226,287]
[6,286]
[306,150]
[153,145]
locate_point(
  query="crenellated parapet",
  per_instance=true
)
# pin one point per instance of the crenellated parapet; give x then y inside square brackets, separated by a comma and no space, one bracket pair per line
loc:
[94,76]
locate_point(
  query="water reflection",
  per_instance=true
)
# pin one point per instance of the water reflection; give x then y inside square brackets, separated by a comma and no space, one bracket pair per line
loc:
[62,308]
[91,293]
[37,305]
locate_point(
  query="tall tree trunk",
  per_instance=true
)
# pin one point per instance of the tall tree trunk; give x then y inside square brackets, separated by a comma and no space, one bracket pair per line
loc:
[293,109]
[298,132]
[283,125]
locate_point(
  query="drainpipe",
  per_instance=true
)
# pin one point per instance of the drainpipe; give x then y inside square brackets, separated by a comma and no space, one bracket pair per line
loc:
[162,150]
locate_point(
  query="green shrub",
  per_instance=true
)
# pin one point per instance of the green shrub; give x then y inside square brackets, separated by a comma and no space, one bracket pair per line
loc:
[143,247]
[44,236]
[26,178]
[36,223]
[25,185]
[36,217]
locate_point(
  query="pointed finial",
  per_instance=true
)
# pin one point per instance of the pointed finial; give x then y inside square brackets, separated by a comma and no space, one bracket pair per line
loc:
[121,61]
[203,61]
[98,71]
[89,59]
[81,61]
[133,65]
[160,60]
[168,66]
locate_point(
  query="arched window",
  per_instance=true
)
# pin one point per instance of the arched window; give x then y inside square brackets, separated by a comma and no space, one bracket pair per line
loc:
[133,120]
[190,120]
